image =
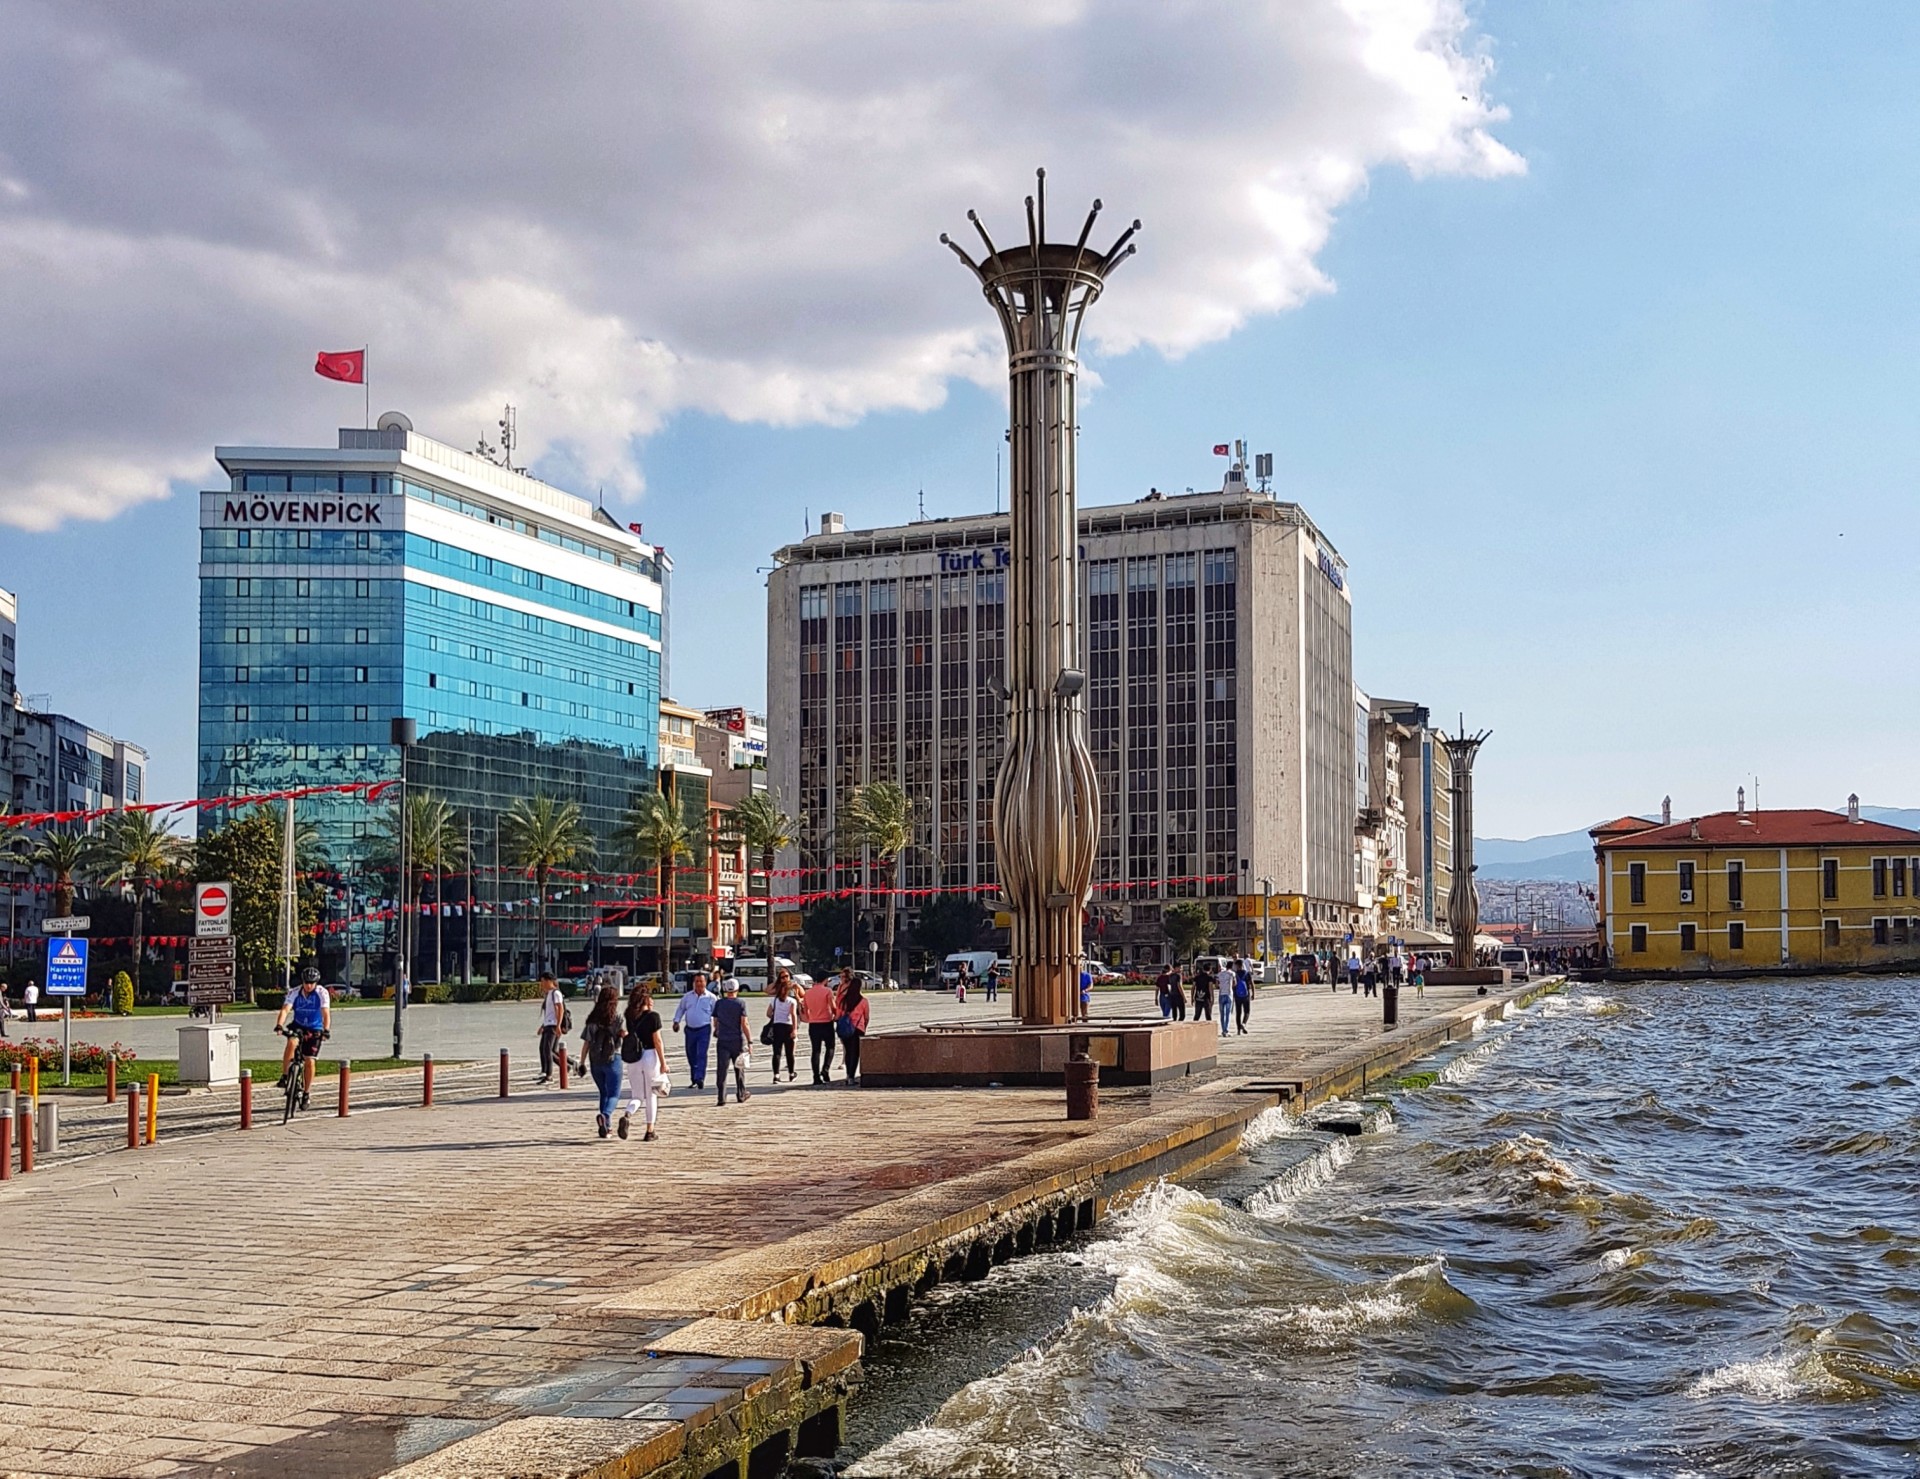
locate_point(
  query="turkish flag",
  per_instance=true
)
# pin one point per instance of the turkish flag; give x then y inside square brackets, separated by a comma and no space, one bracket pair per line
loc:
[351,366]
[1220,449]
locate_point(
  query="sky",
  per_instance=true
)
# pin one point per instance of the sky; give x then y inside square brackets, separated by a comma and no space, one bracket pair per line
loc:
[1586,332]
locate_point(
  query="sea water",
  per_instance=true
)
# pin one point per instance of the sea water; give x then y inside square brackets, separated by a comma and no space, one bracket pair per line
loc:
[1642,1230]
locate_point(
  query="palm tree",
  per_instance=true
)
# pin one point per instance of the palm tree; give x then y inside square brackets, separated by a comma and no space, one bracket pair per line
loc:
[541,835]
[880,817]
[136,849]
[659,831]
[758,824]
[62,852]
[434,842]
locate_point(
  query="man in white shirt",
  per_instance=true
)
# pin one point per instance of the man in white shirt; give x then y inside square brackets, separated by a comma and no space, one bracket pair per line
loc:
[32,998]
[553,1016]
[695,1012]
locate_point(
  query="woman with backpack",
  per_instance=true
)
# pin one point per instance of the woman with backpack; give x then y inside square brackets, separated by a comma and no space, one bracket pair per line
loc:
[645,1060]
[600,1046]
[852,1026]
[783,1015]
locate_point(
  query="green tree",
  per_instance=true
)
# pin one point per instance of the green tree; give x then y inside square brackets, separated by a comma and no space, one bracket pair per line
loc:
[659,833]
[136,849]
[245,852]
[948,922]
[540,835]
[880,817]
[60,852]
[1187,926]
[122,994]
[757,823]
[827,925]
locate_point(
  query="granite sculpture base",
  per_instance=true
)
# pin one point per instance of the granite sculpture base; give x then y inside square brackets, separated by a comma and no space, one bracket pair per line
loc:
[1130,1053]
[1480,975]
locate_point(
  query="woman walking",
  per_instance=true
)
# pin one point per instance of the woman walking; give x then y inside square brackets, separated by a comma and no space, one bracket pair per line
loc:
[852,1026]
[600,1046]
[782,1017]
[645,1058]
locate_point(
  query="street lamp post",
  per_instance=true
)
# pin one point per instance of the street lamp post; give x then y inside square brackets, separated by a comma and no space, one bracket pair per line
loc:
[402,733]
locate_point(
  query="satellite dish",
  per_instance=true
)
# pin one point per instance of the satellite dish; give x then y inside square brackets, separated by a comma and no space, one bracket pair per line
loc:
[393,421]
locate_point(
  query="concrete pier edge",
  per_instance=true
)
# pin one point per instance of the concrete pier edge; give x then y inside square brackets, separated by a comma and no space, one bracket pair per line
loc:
[791,1330]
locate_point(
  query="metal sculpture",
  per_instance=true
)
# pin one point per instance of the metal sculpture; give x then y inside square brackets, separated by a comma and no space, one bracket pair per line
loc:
[1463,901]
[1046,817]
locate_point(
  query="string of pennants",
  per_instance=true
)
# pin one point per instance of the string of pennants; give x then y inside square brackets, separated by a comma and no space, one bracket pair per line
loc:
[365,790]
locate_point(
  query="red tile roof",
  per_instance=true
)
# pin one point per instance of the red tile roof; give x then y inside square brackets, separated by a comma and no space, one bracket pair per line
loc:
[1619,825]
[1765,829]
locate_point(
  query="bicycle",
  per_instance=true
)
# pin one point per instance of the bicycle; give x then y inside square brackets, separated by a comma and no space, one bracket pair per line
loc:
[293,1080]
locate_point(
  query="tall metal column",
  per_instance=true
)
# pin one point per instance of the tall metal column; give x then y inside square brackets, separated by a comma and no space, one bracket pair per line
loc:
[1046,818]
[1463,902]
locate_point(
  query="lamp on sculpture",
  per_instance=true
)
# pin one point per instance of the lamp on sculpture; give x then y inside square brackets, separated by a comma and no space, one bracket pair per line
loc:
[1045,802]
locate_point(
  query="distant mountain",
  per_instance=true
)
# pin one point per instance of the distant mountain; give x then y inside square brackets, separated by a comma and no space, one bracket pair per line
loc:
[1893,816]
[1561,867]
[1509,850]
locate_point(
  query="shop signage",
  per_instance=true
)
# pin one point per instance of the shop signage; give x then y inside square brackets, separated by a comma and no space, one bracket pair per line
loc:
[297,512]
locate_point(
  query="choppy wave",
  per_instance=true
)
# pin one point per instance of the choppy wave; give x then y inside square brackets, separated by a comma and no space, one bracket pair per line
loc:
[1277,1200]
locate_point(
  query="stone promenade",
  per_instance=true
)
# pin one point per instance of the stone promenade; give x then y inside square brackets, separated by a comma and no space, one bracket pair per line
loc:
[340,1297]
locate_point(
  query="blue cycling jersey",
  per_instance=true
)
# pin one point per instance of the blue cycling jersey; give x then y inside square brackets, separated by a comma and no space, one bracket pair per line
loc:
[309,1008]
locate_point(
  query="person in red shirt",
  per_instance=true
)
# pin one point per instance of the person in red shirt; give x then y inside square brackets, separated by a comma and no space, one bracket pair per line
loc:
[820,1010]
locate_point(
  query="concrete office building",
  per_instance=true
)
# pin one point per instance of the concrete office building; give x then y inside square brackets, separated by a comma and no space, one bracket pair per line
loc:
[1219,698]
[518,625]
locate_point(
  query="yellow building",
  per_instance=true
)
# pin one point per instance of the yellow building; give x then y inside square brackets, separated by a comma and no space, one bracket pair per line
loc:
[1758,890]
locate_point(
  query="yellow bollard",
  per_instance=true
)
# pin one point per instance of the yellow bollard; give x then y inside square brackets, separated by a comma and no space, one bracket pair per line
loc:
[33,1082]
[153,1107]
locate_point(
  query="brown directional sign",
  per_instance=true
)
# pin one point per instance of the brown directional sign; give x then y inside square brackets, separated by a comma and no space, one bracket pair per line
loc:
[210,970]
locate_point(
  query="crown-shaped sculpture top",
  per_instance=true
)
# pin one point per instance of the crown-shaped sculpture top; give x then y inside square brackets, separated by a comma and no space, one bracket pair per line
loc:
[1040,276]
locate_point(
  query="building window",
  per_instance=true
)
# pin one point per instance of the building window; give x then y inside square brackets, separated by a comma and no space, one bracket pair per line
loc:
[362,539]
[303,588]
[1879,878]
[360,635]
[362,587]
[1830,932]
[243,587]
[302,634]
[1686,883]
[300,675]
[1830,880]
[433,680]
[242,675]
[360,713]
[1736,936]
[359,675]
[239,713]
[1900,929]
[1899,878]
[1638,937]
[299,713]
[1636,883]
[1689,937]
[1736,884]
[243,634]
[303,539]
[244,540]
[1879,932]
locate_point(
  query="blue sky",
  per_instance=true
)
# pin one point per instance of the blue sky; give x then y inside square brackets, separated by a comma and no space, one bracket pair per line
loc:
[1618,449]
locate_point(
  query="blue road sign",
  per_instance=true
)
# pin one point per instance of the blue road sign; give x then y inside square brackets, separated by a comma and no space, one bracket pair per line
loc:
[66,967]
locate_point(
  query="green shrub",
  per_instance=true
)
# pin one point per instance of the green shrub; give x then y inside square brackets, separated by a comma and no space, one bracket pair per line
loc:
[497,991]
[122,994]
[434,994]
[270,998]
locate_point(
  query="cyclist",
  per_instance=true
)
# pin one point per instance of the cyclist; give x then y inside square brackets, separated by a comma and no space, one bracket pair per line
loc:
[311,1011]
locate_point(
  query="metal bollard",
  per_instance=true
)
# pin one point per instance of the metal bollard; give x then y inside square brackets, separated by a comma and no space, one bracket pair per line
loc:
[6,1141]
[14,1083]
[563,1065]
[133,1116]
[503,1073]
[113,1074]
[1083,1088]
[1389,1004]
[346,1079]
[47,1128]
[426,1081]
[153,1108]
[246,1098]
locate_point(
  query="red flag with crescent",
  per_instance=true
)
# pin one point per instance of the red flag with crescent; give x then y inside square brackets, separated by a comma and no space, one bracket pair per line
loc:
[349,365]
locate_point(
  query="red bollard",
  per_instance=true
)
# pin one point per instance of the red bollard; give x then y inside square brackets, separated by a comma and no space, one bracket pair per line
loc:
[563,1065]
[346,1075]
[246,1098]
[27,1130]
[133,1116]
[426,1081]
[6,1142]
[503,1073]
[112,1074]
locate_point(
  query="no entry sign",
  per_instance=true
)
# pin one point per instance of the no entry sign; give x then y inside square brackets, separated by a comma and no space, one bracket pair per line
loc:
[213,910]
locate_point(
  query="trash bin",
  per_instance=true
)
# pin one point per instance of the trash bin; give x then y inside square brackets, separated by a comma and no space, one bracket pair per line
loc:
[1389,1004]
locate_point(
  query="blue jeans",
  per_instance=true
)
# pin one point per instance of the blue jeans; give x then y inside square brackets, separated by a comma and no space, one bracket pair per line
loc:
[1225,1004]
[607,1080]
[697,1040]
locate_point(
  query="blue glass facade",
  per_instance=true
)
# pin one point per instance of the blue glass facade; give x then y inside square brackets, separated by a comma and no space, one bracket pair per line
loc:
[519,628]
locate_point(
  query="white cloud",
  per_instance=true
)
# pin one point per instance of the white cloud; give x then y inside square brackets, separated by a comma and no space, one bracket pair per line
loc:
[611,214]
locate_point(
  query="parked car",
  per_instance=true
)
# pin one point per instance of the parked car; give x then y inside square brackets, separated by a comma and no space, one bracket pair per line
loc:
[1515,959]
[1100,971]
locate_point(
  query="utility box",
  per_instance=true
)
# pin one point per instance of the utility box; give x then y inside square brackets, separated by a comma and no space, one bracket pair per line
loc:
[209,1054]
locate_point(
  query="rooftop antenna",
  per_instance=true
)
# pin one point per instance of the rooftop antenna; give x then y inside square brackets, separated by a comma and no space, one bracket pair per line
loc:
[923,502]
[502,455]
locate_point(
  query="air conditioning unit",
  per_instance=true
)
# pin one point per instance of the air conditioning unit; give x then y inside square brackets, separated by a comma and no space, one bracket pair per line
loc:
[1686,896]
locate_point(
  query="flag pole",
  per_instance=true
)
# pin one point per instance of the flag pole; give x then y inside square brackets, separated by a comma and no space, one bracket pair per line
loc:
[366,391]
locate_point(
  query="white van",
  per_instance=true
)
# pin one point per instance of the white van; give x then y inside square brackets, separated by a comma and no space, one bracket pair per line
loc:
[977,962]
[754,973]
[1516,960]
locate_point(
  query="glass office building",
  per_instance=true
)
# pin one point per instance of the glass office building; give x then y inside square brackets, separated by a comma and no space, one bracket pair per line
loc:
[519,626]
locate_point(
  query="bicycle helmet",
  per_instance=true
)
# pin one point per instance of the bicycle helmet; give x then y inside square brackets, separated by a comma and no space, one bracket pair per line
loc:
[310,974]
